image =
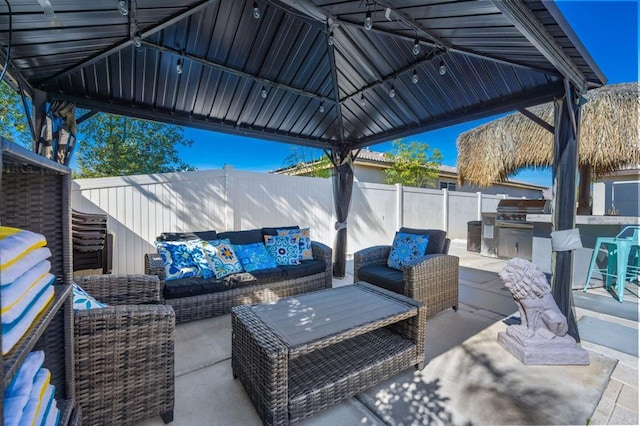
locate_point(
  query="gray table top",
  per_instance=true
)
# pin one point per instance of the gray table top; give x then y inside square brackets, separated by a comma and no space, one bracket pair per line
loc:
[300,320]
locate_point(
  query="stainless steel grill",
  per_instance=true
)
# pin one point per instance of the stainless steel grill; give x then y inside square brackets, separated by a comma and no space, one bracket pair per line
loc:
[513,234]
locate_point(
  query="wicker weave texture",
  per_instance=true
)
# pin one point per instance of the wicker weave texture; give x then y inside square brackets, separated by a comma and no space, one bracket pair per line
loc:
[125,289]
[288,384]
[432,279]
[124,361]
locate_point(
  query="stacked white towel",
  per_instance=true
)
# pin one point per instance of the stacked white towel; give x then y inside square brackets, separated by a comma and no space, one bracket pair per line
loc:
[25,282]
[29,398]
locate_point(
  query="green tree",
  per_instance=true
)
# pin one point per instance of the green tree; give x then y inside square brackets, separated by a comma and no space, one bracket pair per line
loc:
[112,145]
[302,162]
[413,165]
[13,121]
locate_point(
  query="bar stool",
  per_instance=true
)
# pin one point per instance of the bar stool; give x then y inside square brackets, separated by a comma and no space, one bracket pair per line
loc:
[619,249]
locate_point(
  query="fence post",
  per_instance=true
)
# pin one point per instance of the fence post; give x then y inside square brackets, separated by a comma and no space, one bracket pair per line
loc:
[399,206]
[445,209]
[479,216]
[229,198]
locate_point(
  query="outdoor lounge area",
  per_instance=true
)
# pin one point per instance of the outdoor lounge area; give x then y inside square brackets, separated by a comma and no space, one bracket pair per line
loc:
[467,377]
[306,300]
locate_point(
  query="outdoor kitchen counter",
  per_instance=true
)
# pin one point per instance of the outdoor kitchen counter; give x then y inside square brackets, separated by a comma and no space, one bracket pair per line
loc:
[591,227]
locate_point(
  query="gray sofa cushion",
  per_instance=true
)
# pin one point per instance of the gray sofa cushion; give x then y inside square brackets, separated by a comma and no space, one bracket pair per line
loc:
[437,239]
[382,276]
[243,237]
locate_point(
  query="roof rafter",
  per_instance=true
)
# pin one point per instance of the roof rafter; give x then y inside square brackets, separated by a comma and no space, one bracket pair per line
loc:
[129,41]
[524,20]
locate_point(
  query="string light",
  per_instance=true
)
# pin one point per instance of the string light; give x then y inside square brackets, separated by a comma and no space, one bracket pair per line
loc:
[137,41]
[256,11]
[321,107]
[414,76]
[263,92]
[331,41]
[416,47]
[368,24]
[392,92]
[122,8]
[363,101]
[443,68]
[179,66]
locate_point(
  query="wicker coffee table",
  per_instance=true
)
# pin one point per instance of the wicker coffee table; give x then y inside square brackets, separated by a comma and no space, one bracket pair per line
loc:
[302,354]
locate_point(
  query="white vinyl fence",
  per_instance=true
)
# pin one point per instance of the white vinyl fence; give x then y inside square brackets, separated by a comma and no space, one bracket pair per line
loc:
[142,207]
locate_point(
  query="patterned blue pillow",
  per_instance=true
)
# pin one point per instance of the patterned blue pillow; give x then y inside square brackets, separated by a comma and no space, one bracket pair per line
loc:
[177,258]
[304,243]
[82,300]
[406,248]
[222,258]
[200,258]
[254,257]
[285,250]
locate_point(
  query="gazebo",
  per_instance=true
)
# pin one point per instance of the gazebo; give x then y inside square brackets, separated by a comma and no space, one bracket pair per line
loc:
[609,135]
[336,75]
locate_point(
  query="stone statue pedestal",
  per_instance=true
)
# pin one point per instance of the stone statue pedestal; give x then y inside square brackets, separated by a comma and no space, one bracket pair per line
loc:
[559,351]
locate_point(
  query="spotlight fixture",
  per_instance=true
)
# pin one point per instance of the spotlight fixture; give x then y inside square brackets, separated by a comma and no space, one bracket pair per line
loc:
[137,41]
[416,47]
[392,92]
[179,66]
[122,8]
[414,76]
[263,92]
[443,68]
[363,101]
[331,40]
[256,11]
[367,21]
[322,107]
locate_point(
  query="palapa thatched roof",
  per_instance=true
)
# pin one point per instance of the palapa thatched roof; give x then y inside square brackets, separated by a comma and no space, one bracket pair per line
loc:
[609,138]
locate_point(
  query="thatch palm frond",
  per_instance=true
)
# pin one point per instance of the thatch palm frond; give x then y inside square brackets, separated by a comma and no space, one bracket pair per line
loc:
[609,138]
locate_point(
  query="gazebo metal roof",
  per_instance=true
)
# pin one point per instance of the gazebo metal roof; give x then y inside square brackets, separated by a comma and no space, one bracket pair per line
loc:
[498,56]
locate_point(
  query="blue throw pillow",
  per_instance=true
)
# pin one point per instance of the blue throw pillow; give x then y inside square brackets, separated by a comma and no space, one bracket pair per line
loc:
[304,243]
[285,250]
[178,260]
[222,258]
[83,300]
[406,248]
[254,257]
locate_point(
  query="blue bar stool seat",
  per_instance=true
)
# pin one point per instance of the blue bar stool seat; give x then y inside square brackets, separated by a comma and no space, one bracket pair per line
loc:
[620,249]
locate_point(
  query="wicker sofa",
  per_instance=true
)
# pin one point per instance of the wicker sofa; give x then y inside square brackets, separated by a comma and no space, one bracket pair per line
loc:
[196,297]
[124,353]
[432,279]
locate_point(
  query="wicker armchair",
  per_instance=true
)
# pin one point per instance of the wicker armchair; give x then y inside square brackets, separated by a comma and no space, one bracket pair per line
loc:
[432,279]
[124,353]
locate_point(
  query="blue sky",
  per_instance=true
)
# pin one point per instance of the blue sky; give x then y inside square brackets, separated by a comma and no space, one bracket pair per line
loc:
[608,29]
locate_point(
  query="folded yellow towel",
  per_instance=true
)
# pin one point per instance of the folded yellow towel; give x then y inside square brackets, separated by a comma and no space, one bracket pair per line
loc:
[12,334]
[13,312]
[12,293]
[26,262]
[16,243]
[38,391]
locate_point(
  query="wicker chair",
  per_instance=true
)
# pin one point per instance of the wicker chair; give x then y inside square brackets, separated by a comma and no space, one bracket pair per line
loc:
[432,279]
[124,353]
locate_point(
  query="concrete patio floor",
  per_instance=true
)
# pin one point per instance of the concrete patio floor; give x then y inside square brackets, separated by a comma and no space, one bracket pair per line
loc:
[468,379]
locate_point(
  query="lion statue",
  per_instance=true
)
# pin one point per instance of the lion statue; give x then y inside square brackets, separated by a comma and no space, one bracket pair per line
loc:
[540,318]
